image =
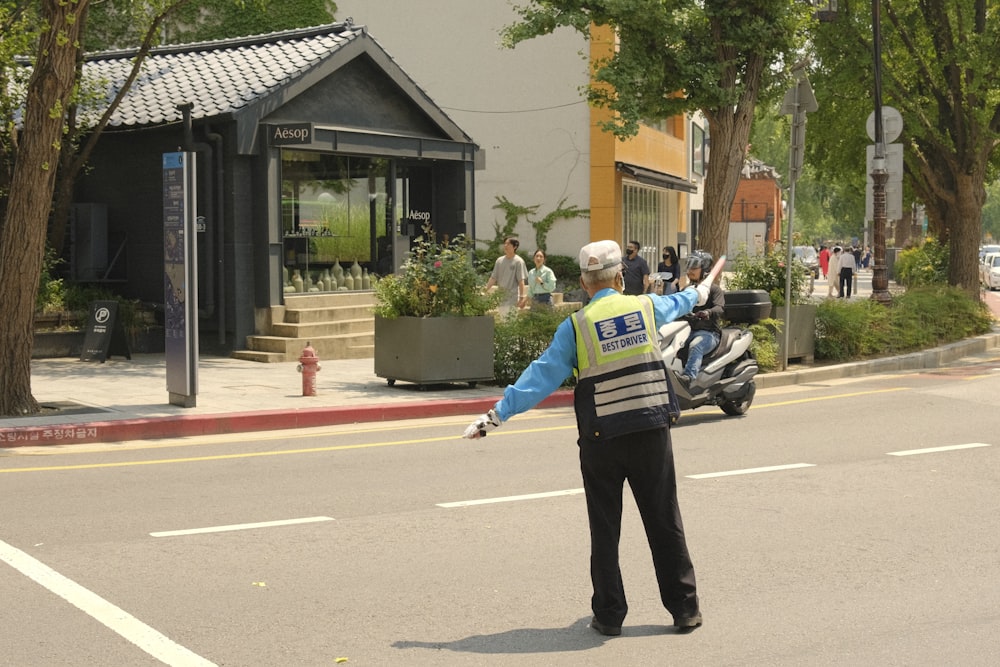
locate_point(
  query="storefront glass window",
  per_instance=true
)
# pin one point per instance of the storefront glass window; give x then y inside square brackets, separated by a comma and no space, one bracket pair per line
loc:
[646,218]
[334,212]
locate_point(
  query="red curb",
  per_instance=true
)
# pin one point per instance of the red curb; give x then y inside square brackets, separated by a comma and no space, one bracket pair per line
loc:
[154,428]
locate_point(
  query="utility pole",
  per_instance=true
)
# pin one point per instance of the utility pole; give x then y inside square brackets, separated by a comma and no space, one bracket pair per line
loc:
[880,175]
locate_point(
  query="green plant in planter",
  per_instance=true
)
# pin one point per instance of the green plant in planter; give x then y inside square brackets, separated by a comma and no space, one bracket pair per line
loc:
[436,280]
[767,272]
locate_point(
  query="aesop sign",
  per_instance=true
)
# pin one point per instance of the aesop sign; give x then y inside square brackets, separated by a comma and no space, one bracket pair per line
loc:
[291,134]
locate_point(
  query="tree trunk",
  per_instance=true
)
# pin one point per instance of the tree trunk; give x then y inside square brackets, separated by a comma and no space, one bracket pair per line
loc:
[730,134]
[965,225]
[729,130]
[22,240]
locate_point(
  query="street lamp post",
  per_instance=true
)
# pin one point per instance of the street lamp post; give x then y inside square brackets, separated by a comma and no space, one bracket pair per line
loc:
[880,175]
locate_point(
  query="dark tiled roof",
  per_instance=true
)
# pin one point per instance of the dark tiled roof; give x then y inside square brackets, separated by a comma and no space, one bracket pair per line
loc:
[218,78]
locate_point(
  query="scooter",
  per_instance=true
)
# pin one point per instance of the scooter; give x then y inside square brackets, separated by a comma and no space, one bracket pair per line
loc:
[727,373]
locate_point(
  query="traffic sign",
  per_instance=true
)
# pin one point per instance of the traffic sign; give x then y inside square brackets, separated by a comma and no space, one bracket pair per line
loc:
[892,125]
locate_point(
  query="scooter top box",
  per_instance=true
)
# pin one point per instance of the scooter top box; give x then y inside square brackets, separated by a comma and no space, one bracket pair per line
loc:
[747,306]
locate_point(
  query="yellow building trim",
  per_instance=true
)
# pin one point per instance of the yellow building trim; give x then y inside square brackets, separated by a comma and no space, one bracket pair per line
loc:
[661,151]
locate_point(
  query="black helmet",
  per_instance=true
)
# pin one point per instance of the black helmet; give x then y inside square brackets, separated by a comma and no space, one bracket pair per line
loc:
[699,259]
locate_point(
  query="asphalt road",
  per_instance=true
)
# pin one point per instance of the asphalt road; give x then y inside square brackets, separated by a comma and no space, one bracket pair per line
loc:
[827,527]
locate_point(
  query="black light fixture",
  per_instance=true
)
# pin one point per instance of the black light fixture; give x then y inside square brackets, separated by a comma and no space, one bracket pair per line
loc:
[826,11]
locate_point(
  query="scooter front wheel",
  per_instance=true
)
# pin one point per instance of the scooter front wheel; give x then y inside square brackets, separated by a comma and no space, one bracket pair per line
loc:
[740,407]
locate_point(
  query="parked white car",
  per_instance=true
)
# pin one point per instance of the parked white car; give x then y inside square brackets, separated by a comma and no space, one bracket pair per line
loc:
[989,271]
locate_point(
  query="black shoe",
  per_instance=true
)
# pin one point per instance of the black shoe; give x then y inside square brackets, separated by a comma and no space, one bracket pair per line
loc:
[688,622]
[606,630]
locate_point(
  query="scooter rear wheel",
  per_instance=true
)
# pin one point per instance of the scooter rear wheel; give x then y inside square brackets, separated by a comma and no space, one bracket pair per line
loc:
[740,407]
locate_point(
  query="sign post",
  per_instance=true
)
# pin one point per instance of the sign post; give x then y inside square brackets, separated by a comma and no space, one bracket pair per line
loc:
[798,100]
[180,278]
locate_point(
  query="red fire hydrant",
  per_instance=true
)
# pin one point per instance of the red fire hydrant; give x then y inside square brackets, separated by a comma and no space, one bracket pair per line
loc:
[308,366]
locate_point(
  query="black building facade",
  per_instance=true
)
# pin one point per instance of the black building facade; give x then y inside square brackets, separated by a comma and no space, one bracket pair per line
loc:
[314,148]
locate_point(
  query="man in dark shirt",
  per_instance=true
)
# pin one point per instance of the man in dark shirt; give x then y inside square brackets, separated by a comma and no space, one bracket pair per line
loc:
[635,270]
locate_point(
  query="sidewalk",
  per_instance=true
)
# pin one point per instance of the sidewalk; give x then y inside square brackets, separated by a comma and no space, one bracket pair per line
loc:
[122,400]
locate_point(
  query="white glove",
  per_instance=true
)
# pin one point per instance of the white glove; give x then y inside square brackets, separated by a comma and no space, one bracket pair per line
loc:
[483,425]
[703,291]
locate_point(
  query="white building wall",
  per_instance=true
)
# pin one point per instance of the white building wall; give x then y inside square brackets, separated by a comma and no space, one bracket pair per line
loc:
[522,106]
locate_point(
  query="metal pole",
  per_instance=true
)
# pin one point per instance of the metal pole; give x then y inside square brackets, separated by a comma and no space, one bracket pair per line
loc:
[793,174]
[880,274]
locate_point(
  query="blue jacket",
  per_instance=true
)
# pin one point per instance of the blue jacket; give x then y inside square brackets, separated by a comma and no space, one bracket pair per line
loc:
[559,360]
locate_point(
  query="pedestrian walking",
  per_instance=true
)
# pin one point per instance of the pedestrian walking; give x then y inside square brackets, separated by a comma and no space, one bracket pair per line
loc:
[834,268]
[635,270]
[511,275]
[541,281]
[848,268]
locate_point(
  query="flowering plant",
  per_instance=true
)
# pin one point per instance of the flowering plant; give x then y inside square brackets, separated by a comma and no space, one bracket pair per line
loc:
[767,272]
[436,280]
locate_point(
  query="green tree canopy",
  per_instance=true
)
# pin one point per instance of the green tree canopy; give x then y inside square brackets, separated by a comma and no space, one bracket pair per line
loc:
[941,70]
[675,56]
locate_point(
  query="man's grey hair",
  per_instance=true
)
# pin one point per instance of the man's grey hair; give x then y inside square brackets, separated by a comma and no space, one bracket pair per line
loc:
[591,278]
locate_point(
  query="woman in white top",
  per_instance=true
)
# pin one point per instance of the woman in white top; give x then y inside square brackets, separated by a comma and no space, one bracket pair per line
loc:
[833,271]
[541,280]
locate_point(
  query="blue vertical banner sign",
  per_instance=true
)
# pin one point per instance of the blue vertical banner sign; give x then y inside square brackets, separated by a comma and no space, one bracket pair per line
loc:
[180,278]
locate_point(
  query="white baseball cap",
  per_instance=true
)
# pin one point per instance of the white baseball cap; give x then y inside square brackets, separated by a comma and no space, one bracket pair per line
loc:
[600,255]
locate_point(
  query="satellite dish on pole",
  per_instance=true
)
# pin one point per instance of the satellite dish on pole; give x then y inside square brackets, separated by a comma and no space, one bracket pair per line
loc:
[892,124]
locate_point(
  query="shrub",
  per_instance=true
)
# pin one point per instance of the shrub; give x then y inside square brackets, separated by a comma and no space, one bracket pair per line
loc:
[926,264]
[850,329]
[765,343]
[567,269]
[917,319]
[51,290]
[520,337]
[767,272]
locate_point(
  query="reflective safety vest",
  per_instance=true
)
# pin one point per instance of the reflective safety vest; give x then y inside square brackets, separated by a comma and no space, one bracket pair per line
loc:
[622,380]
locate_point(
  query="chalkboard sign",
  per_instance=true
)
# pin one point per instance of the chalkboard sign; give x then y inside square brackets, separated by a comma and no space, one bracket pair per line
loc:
[104,336]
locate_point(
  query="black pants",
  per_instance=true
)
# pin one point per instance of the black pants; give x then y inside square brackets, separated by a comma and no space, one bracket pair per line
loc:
[646,460]
[846,282]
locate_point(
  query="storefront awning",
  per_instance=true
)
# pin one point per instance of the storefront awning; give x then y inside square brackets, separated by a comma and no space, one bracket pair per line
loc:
[655,178]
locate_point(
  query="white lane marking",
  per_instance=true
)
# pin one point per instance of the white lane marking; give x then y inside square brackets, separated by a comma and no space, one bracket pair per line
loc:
[510,499]
[116,619]
[751,471]
[241,526]
[931,450]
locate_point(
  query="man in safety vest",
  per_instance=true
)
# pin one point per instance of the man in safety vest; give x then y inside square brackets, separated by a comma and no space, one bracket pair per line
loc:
[622,402]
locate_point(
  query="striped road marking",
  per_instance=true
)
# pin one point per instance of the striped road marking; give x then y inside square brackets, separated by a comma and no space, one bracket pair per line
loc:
[241,526]
[752,471]
[510,499]
[118,620]
[932,450]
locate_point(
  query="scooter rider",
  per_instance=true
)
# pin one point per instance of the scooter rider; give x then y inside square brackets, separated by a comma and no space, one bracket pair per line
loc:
[704,319]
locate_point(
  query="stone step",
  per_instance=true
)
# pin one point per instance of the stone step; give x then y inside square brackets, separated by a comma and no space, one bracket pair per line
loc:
[263,357]
[329,299]
[297,315]
[327,327]
[344,346]
[339,325]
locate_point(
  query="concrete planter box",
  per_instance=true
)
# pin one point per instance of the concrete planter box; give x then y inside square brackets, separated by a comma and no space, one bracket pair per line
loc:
[801,331]
[54,344]
[432,350]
